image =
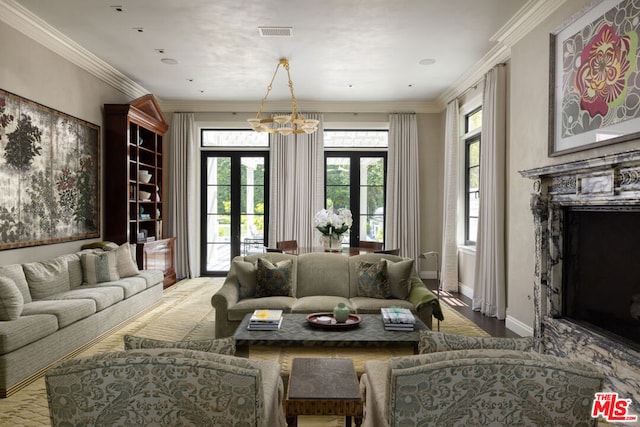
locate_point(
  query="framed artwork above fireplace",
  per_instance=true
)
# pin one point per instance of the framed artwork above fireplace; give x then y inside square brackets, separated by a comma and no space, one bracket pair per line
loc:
[594,93]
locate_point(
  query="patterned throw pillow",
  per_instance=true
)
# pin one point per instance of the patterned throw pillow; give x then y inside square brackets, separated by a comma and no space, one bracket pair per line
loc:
[273,280]
[372,279]
[98,268]
[432,342]
[11,301]
[398,274]
[220,346]
[46,278]
[246,272]
[125,264]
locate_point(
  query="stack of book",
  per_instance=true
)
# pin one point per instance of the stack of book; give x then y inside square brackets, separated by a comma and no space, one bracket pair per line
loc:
[265,320]
[398,319]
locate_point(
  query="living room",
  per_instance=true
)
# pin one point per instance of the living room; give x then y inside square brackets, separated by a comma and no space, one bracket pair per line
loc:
[39,71]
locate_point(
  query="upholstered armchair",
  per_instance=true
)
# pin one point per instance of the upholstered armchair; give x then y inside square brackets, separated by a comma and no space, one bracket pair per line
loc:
[479,387]
[165,387]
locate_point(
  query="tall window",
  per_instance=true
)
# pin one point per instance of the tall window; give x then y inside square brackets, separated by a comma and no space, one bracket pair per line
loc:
[355,174]
[473,129]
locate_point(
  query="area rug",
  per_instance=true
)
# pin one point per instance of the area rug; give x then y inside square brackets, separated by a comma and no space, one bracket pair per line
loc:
[186,313]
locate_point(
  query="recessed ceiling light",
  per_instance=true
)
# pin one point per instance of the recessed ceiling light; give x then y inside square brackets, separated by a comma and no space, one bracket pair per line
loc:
[138,29]
[169,61]
[117,8]
[427,61]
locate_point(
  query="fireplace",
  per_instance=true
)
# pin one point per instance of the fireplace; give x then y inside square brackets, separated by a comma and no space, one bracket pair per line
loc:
[587,269]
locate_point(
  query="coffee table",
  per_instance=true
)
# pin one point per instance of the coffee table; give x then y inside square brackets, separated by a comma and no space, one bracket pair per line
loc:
[320,386]
[296,331]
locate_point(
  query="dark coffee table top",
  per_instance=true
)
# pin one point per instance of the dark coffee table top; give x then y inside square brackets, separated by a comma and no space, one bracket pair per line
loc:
[296,331]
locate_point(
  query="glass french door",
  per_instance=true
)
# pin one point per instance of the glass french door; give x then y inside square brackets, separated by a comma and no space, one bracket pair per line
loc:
[234,207]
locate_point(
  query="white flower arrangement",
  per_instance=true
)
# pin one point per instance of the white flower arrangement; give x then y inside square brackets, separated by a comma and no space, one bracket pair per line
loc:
[333,223]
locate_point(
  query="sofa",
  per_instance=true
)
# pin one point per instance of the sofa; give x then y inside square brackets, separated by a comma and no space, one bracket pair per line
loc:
[479,387]
[317,282]
[173,387]
[55,308]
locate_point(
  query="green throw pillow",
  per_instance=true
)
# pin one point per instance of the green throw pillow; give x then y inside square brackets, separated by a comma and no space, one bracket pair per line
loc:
[246,273]
[372,279]
[398,275]
[220,346]
[273,280]
[432,342]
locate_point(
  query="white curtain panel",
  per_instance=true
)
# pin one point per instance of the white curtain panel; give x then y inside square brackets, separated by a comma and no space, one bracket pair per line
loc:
[449,277]
[181,194]
[402,228]
[489,293]
[296,185]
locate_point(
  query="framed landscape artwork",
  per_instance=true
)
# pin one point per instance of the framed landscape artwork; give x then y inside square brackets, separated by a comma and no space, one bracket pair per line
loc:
[594,81]
[49,175]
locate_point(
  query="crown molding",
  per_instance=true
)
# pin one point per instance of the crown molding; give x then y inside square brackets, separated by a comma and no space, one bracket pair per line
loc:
[532,14]
[318,106]
[29,24]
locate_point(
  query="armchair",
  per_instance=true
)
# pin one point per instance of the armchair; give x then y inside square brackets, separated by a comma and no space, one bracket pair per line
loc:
[165,387]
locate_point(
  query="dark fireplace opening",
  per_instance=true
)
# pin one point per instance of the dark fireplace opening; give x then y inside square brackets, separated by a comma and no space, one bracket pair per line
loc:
[601,270]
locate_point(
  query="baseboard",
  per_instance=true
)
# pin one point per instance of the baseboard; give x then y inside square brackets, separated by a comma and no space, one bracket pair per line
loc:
[518,327]
[467,291]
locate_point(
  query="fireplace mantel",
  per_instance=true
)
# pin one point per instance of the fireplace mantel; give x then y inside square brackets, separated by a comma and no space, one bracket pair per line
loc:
[611,182]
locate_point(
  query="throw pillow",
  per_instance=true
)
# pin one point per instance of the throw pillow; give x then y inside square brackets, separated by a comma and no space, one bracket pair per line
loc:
[372,279]
[11,300]
[47,278]
[98,268]
[246,272]
[398,275]
[273,279]
[220,346]
[432,342]
[124,261]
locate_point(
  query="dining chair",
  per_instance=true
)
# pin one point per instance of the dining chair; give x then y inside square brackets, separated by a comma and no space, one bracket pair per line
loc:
[388,251]
[376,246]
[274,250]
[287,245]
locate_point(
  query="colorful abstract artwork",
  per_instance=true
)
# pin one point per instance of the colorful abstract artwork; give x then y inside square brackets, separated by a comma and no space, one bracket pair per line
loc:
[596,98]
[49,175]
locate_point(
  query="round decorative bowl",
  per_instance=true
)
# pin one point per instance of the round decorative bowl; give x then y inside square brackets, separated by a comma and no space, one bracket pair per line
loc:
[144,195]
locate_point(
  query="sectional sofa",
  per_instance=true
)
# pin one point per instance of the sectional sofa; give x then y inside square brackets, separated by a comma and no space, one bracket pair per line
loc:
[56,308]
[317,282]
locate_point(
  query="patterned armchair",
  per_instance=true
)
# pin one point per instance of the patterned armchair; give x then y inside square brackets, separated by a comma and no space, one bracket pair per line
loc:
[165,387]
[479,387]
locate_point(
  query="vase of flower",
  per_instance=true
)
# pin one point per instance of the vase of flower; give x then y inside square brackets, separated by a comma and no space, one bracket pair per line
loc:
[332,244]
[333,224]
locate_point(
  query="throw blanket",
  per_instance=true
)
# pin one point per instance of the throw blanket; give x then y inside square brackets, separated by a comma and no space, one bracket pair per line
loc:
[419,294]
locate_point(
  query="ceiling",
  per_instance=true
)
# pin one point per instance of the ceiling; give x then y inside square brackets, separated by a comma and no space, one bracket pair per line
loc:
[341,50]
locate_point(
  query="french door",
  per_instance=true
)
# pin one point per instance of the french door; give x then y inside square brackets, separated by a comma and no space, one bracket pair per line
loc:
[234,207]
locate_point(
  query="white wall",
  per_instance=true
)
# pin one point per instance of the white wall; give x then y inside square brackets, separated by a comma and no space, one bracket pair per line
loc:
[31,71]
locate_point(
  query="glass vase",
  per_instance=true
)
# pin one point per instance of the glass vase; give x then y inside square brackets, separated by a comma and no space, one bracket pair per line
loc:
[332,244]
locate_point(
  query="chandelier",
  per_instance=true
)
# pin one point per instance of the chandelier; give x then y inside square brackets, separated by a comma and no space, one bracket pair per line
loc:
[283,124]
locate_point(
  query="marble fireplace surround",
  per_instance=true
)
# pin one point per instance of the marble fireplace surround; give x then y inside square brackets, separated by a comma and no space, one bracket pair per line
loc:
[612,181]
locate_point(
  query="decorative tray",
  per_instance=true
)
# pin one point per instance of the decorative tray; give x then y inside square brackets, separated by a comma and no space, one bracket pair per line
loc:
[327,321]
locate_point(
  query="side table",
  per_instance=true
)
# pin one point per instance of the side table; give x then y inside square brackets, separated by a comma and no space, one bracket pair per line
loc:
[323,386]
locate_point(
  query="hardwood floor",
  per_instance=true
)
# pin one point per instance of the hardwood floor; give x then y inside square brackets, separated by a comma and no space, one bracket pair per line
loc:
[462,304]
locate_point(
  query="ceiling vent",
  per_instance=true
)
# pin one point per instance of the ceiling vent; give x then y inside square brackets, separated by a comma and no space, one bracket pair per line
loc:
[276,31]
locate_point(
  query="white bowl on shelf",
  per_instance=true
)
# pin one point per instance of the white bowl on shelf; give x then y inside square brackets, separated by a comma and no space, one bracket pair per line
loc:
[144,195]
[144,176]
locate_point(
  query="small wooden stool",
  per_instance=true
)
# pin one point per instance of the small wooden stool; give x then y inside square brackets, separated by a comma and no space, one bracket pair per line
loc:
[324,386]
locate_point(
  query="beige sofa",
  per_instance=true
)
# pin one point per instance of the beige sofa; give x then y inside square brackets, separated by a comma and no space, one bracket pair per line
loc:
[48,309]
[319,281]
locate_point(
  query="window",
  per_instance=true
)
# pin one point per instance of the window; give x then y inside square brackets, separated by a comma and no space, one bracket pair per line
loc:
[473,128]
[355,177]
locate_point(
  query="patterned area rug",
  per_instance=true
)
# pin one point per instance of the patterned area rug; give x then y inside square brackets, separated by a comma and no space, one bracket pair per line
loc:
[186,313]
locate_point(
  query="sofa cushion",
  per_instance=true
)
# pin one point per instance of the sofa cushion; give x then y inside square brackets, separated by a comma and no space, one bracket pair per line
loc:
[322,273]
[431,342]
[15,272]
[273,280]
[152,277]
[104,296]
[372,279]
[245,306]
[25,330]
[246,272]
[219,346]
[66,312]
[366,305]
[398,274]
[319,303]
[97,268]
[130,285]
[46,278]
[126,266]
[11,300]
